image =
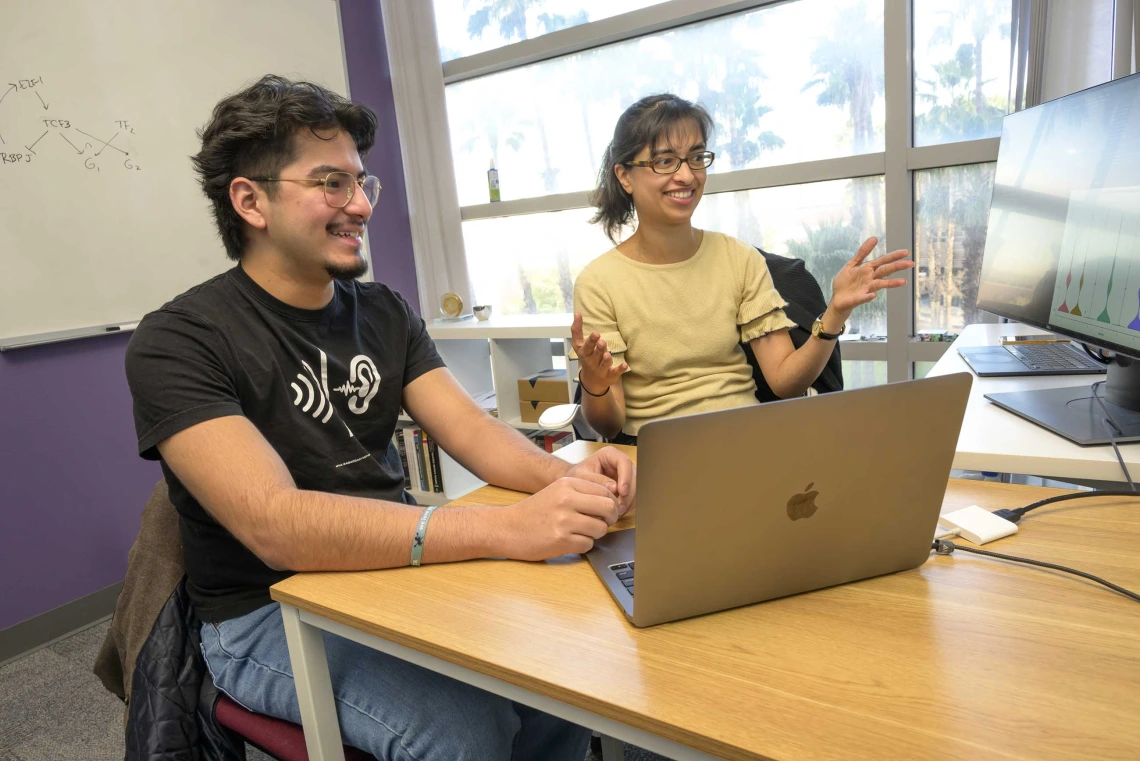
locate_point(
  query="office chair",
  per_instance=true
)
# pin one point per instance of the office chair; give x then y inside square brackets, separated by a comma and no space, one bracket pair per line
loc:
[283,740]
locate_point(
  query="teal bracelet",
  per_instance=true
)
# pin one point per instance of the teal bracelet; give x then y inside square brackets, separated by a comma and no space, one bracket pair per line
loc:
[418,542]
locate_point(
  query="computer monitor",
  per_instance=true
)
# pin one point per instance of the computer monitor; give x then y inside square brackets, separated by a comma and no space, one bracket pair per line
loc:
[1063,248]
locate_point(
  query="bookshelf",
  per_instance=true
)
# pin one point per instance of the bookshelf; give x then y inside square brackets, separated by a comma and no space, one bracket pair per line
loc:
[492,356]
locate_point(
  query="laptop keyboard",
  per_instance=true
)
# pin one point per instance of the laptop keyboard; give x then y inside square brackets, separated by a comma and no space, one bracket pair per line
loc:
[624,572]
[1052,357]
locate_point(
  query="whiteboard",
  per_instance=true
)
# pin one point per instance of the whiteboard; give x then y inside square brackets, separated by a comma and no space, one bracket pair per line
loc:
[101,216]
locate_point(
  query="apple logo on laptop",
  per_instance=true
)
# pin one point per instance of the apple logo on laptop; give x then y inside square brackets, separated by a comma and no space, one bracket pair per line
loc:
[803,505]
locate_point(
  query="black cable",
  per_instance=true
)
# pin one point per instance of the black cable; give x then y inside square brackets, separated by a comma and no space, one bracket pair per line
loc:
[946,547]
[1110,426]
[1096,357]
[1015,514]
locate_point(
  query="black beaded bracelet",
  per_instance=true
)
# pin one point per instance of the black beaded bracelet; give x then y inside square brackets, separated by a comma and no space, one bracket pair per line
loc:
[588,391]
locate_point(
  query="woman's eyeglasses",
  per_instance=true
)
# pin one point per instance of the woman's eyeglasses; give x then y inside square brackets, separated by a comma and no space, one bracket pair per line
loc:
[672,164]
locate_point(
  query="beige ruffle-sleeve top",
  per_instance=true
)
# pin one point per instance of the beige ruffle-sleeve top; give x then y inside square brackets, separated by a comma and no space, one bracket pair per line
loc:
[679,326]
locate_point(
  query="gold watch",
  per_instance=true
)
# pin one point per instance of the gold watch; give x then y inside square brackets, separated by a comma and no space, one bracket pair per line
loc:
[818,332]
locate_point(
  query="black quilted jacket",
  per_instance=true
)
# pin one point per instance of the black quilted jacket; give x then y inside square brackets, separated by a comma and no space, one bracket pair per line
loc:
[151,657]
[171,713]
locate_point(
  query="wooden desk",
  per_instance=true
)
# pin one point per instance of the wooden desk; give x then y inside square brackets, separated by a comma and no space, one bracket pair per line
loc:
[998,440]
[964,657]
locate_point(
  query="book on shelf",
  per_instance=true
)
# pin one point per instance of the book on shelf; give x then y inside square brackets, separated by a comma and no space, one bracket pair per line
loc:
[411,463]
[427,463]
[414,458]
[433,462]
[419,456]
[424,466]
[401,450]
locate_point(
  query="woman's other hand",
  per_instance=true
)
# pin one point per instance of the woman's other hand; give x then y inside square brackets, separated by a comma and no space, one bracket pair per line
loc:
[595,363]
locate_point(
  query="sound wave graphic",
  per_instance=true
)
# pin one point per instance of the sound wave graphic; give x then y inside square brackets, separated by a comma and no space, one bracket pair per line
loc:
[316,391]
[348,389]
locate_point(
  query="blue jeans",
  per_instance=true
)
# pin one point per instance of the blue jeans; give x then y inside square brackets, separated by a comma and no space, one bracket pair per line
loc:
[395,710]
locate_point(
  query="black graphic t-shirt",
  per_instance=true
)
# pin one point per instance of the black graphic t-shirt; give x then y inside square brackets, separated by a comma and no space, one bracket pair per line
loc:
[323,386]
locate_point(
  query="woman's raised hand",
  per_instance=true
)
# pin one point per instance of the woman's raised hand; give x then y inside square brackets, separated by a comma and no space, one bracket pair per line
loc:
[859,280]
[595,364]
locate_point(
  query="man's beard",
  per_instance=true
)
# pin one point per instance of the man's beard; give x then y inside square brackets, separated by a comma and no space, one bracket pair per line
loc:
[349,271]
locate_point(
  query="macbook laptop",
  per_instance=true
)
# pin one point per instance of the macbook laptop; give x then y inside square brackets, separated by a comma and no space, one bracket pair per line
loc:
[745,505]
[1030,359]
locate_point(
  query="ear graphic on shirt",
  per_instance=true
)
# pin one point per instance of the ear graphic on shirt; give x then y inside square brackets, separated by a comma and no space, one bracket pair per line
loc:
[362,385]
[316,391]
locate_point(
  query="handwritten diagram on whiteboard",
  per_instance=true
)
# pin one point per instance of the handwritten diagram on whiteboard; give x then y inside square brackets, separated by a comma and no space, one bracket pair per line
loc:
[101,215]
[1098,274]
[94,150]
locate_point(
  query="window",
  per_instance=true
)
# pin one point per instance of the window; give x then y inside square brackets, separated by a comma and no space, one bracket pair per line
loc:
[961,69]
[807,156]
[922,369]
[951,208]
[777,93]
[527,264]
[467,27]
[861,374]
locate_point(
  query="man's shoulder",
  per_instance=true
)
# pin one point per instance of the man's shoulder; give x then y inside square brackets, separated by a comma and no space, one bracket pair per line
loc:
[377,300]
[372,292]
[197,315]
[204,300]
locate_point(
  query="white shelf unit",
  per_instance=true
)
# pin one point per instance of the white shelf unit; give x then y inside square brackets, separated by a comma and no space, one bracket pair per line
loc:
[493,355]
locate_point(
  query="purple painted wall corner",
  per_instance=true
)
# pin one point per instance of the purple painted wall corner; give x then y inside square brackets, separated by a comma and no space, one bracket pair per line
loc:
[370,82]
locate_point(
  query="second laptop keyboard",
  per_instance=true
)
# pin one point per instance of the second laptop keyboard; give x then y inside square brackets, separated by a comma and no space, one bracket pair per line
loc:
[1053,357]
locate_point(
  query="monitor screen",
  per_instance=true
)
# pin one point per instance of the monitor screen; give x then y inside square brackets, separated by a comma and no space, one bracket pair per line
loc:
[1063,239]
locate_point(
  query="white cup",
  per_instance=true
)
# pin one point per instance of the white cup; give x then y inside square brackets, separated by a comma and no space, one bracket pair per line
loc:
[482,312]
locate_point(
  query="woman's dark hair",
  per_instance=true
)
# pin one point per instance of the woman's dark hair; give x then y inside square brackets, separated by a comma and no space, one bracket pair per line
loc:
[252,133]
[642,124]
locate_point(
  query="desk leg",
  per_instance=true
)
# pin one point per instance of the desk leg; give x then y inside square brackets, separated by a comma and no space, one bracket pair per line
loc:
[314,687]
[612,750]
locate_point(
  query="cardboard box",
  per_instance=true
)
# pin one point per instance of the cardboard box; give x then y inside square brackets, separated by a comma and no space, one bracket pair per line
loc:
[547,386]
[531,411]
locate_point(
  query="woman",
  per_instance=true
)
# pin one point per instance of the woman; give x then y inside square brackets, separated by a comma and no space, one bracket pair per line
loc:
[666,309]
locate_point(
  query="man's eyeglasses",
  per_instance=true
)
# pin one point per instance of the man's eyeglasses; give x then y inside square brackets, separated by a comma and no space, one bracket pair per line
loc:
[672,164]
[339,187]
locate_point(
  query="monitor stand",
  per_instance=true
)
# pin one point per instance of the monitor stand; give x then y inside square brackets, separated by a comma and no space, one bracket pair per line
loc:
[1073,412]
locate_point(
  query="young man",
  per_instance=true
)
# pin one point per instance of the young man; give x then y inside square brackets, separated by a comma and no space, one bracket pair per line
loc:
[270,394]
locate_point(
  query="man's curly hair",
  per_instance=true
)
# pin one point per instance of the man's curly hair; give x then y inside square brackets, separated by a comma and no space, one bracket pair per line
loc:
[252,134]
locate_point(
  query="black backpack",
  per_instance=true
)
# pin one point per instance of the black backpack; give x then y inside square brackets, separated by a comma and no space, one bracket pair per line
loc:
[805,303]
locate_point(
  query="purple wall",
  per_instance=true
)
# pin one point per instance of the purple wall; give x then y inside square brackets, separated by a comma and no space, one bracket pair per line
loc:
[370,82]
[71,486]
